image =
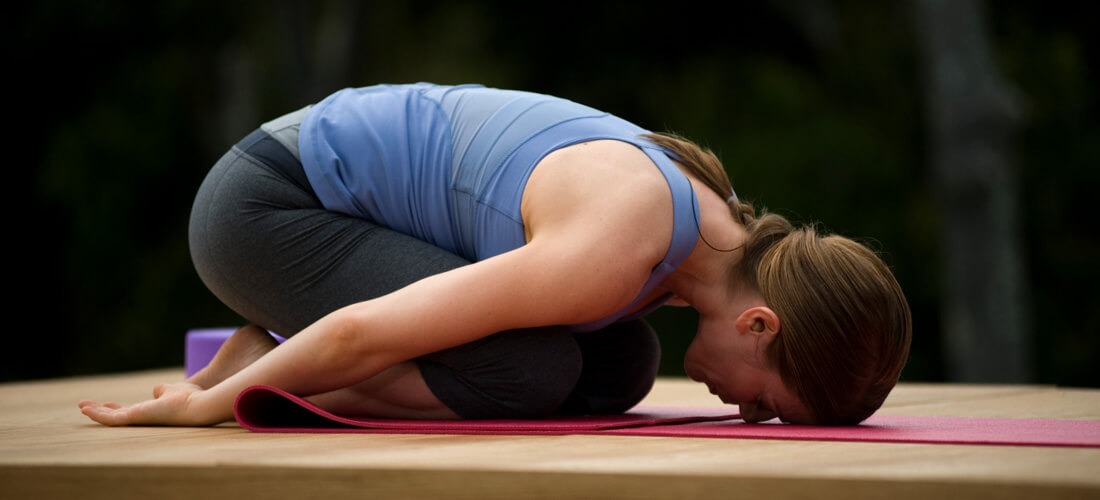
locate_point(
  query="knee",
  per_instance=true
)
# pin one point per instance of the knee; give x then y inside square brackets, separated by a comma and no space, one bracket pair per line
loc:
[620,367]
[516,374]
[544,377]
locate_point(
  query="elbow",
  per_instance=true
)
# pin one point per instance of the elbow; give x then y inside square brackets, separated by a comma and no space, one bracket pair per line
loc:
[342,343]
[356,342]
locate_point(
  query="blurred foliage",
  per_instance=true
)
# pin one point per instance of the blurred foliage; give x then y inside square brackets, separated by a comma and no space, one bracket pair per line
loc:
[121,107]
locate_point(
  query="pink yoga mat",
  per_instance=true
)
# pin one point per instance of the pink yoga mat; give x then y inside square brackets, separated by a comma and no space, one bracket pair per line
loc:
[267,409]
[903,429]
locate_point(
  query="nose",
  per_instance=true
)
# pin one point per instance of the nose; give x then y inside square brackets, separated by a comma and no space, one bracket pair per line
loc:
[752,413]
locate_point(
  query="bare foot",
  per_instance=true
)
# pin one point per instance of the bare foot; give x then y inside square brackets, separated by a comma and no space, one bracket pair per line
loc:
[241,349]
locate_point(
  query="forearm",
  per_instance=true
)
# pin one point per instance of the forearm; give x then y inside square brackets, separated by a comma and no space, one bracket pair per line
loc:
[330,354]
[359,341]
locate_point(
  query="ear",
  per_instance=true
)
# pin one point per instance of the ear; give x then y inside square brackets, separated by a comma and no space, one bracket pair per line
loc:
[759,322]
[757,327]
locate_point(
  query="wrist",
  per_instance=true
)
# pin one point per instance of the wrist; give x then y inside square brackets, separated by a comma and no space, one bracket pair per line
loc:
[207,408]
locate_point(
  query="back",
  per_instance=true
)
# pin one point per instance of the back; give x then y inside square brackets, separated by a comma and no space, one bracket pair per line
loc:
[446,164]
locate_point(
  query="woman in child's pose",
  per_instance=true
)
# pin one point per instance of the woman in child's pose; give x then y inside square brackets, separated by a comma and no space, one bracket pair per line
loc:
[469,252]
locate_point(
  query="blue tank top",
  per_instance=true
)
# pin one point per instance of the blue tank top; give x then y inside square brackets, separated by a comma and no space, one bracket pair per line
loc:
[448,164]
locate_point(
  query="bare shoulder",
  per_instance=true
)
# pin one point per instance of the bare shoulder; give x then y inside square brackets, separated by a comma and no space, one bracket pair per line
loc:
[601,202]
[605,178]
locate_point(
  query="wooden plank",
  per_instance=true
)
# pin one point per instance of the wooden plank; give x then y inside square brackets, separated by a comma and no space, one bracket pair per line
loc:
[49,450]
[168,483]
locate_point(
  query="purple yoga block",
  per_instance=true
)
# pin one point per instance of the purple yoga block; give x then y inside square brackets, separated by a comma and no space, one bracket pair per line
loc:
[203,343]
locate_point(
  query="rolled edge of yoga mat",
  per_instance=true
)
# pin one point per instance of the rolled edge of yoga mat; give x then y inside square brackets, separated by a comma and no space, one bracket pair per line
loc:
[201,344]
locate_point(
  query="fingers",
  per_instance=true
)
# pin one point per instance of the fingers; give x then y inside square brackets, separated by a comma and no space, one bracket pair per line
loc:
[110,405]
[170,406]
[110,414]
[113,414]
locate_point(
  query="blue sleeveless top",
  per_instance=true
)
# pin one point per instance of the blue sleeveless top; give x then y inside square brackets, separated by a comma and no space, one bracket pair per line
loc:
[448,165]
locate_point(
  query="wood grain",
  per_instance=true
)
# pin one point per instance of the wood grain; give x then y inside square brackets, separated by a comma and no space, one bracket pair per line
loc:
[49,450]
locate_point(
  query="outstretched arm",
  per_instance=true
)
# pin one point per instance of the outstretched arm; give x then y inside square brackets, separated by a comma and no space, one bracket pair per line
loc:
[518,289]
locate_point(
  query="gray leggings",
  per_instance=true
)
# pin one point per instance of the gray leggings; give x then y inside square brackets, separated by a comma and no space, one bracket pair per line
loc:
[265,246]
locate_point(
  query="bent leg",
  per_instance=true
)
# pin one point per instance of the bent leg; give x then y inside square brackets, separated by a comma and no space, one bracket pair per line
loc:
[620,368]
[264,244]
[546,371]
[516,374]
[268,249]
[510,375]
[397,392]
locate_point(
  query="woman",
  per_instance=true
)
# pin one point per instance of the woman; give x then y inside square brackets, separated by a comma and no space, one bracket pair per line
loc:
[469,252]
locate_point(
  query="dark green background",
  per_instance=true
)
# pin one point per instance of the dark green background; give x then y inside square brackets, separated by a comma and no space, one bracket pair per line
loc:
[119,108]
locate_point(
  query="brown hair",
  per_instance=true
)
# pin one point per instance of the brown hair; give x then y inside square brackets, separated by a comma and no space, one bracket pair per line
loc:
[845,323]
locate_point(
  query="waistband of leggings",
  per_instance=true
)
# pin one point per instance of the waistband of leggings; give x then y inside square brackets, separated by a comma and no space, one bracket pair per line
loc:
[269,151]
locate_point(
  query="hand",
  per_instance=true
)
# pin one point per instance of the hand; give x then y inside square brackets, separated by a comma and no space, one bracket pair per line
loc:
[172,404]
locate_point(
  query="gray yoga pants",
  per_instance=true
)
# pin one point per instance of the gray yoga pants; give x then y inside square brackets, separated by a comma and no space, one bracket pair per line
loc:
[265,246]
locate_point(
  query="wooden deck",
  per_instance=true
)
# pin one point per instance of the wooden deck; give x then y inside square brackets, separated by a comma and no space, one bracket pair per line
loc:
[49,450]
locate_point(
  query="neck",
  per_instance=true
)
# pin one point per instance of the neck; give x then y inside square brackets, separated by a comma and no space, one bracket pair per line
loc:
[703,279]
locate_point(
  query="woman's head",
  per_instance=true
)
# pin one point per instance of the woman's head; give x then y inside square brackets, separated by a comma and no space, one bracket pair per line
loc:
[845,325]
